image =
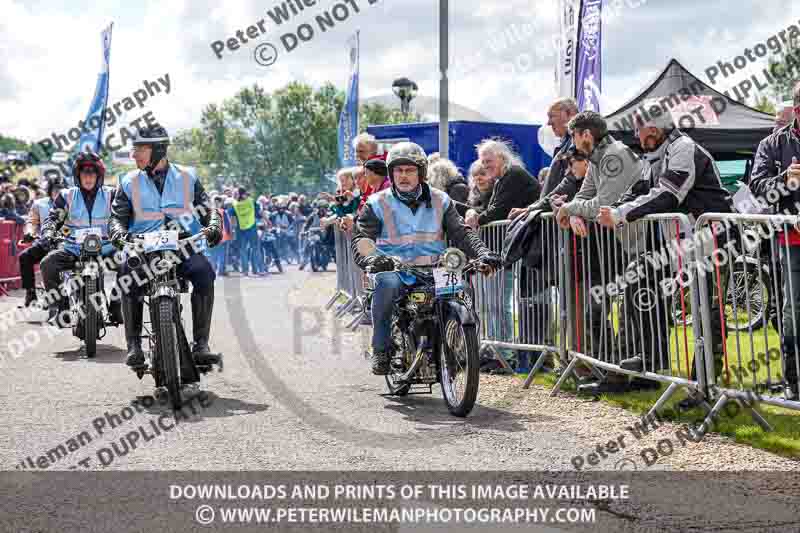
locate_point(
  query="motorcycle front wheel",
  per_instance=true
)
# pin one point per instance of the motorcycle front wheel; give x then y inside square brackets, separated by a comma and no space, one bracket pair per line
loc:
[405,351]
[459,366]
[92,316]
[167,348]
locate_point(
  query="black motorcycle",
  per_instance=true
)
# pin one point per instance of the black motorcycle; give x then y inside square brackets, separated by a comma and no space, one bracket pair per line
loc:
[317,252]
[168,359]
[87,311]
[434,330]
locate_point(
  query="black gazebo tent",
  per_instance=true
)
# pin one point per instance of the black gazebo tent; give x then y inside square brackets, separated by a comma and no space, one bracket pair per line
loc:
[732,131]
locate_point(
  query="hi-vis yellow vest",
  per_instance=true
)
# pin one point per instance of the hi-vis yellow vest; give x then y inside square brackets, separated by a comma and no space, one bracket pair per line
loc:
[245,213]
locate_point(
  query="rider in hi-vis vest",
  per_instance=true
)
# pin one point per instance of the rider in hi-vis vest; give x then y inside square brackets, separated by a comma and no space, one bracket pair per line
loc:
[28,259]
[85,207]
[412,222]
[148,200]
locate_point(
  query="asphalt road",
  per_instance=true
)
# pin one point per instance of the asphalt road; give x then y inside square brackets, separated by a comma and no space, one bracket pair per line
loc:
[295,393]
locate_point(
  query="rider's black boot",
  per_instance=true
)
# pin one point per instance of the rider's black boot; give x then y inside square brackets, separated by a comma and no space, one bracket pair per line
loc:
[132,311]
[202,309]
[115,311]
[380,361]
[30,297]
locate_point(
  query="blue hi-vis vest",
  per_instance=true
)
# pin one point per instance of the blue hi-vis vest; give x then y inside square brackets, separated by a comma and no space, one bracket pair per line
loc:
[416,238]
[175,202]
[78,217]
[43,206]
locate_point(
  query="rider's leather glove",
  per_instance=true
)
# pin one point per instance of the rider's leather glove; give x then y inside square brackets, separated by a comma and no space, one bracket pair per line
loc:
[379,263]
[491,260]
[213,235]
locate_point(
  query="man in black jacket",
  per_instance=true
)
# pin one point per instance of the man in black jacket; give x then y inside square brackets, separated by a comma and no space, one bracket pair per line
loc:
[513,187]
[411,221]
[682,178]
[138,207]
[776,178]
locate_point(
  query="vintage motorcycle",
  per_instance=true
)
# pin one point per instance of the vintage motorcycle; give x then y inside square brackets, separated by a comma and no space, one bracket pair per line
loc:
[317,251]
[168,359]
[87,312]
[434,330]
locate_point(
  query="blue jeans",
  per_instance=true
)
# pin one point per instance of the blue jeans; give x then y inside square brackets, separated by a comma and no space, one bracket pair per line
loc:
[388,287]
[248,250]
[218,255]
[500,320]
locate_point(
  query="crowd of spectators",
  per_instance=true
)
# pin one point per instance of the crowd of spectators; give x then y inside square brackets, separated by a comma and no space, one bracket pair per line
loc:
[667,173]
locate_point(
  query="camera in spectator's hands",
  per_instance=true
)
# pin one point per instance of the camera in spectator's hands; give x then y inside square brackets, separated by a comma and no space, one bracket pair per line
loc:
[341,198]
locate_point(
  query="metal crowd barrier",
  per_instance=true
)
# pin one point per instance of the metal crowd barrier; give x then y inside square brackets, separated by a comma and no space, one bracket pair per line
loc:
[519,307]
[630,295]
[349,279]
[632,292]
[753,259]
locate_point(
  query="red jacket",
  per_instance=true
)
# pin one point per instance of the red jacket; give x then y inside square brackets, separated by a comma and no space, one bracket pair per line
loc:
[365,195]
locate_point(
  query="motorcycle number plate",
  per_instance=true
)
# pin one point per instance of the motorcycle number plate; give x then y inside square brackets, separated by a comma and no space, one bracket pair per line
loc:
[160,240]
[447,282]
[81,234]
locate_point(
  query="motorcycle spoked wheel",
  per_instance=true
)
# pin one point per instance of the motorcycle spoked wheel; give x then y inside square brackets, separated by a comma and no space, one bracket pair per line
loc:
[401,360]
[459,366]
[167,351]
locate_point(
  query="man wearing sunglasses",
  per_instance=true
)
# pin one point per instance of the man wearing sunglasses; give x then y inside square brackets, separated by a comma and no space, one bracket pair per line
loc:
[777,168]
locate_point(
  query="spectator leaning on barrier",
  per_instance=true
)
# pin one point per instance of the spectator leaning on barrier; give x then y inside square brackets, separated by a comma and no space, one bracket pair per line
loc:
[366,148]
[784,115]
[444,175]
[30,257]
[558,116]
[777,169]
[682,178]
[513,187]
[376,174]
[612,169]
[480,192]
[8,209]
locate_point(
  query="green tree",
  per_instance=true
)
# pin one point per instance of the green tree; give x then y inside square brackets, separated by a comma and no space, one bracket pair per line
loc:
[376,114]
[763,104]
[787,74]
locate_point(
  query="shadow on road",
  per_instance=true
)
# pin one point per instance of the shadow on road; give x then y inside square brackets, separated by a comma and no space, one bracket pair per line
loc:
[106,353]
[215,407]
[432,411]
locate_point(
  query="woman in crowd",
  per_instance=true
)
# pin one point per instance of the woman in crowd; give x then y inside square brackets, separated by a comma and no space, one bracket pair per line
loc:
[8,209]
[480,191]
[443,175]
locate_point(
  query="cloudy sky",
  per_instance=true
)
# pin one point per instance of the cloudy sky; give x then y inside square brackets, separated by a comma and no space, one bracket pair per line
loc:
[51,51]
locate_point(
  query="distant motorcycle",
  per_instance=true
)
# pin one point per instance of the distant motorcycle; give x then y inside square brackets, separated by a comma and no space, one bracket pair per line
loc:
[87,312]
[317,252]
[169,359]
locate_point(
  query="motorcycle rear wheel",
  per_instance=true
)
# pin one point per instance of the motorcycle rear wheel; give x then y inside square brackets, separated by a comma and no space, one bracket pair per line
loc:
[459,366]
[167,349]
[92,316]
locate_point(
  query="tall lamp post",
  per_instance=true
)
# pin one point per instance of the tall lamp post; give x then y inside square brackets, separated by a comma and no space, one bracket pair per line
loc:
[405,90]
[444,83]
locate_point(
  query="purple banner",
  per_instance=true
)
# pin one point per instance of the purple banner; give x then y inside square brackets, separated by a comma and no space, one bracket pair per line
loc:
[589,74]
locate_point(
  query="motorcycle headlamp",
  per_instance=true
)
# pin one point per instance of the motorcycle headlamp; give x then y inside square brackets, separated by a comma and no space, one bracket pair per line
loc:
[92,244]
[454,260]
